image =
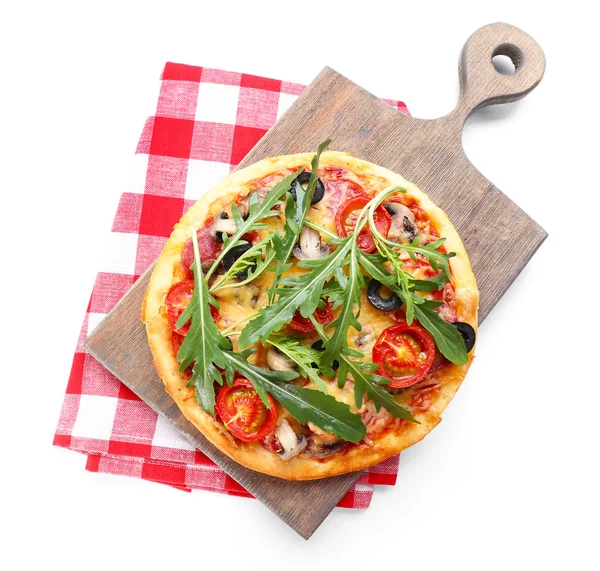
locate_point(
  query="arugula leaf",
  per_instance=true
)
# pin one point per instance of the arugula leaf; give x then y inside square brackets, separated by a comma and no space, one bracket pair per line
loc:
[302,355]
[303,292]
[252,260]
[430,284]
[438,260]
[305,405]
[372,384]
[447,337]
[257,212]
[401,277]
[203,345]
[295,214]
[350,297]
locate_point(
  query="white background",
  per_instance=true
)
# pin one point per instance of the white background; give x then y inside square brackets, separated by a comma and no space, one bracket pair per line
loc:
[510,478]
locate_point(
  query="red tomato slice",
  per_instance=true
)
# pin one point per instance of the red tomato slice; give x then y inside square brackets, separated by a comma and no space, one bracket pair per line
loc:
[177,299]
[176,341]
[404,354]
[244,413]
[346,218]
[323,316]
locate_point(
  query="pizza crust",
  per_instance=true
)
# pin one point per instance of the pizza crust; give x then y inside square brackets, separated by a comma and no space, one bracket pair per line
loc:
[254,455]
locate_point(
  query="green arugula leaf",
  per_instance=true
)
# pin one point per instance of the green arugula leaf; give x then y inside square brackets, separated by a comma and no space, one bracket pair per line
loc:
[400,276]
[203,345]
[305,357]
[438,260]
[295,214]
[302,292]
[372,385]
[305,405]
[350,298]
[447,338]
[431,284]
[257,212]
[256,260]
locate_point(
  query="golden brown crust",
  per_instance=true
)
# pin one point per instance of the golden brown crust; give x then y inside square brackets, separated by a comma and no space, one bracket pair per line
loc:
[254,455]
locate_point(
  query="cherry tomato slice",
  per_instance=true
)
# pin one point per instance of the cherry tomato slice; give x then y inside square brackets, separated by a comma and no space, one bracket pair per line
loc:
[345,221]
[177,299]
[244,413]
[404,354]
[323,316]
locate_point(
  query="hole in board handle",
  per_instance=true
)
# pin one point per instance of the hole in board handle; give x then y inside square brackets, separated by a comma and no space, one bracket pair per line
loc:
[507,59]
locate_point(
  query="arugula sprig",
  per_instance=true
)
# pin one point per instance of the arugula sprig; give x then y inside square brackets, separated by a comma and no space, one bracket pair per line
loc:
[257,212]
[301,292]
[351,286]
[365,380]
[305,357]
[256,260]
[295,214]
[206,347]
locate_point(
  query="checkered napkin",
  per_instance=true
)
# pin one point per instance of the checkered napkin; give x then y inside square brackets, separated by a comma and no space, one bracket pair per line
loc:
[206,122]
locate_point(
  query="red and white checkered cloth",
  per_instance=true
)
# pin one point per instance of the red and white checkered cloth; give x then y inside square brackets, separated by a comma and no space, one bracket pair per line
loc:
[206,122]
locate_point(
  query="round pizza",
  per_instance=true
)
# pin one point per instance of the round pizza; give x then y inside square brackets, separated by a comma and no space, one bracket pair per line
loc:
[312,314]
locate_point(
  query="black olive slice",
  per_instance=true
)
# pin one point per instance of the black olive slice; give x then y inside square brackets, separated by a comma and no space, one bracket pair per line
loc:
[382,303]
[319,189]
[230,257]
[318,346]
[467,332]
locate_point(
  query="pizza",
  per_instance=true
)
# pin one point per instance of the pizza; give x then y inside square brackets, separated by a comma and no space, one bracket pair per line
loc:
[312,314]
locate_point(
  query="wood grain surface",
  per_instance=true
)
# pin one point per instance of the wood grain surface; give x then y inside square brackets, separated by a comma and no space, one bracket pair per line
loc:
[499,237]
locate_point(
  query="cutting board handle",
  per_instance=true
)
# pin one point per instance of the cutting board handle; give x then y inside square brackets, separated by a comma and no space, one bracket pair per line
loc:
[481,84]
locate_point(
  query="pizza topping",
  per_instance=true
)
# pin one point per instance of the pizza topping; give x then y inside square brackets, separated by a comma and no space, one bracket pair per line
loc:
[244,413]
[291,443]
[278,361]
[404,227]
[176,300]
[347,216]
[404,354]
[468,334]
[322,445]
[323,315]
[375,420]
[390,302]
[231,257]
[303,178]
[318,346]
[310,246]
[258,195]
[209,247]
[222,224]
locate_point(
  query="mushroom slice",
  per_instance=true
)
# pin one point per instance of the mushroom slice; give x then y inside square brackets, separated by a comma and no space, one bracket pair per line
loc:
[222,225]
[318,449]
[404,227]
[291,443]
[309,246]
[278,361]
[244,205]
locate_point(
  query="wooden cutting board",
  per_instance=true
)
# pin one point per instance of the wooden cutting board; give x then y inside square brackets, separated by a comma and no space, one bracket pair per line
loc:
[500,238]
